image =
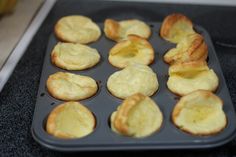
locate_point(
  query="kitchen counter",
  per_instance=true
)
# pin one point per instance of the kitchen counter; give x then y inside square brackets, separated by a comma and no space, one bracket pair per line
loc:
[11,29]
[17,99]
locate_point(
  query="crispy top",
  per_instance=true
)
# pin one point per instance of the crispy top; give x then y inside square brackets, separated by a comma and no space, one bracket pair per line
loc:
[200,113]
[119,30]
[77,29]
[70,120]
[138,116]
[175,27]
[134,49]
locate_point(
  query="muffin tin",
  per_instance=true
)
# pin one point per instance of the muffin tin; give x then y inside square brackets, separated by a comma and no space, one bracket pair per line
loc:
[102,104]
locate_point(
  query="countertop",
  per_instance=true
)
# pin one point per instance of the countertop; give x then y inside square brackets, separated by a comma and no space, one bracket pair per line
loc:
[17,99]
[11,29]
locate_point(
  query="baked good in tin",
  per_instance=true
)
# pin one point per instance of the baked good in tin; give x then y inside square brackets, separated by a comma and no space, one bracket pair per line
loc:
[138,116]
[190,48]
[175,27]
[135,78]
[77,29]
[119,30]
[70,120]
[200,113]
[134,49]
[68,86]
[74,56]
[187,77]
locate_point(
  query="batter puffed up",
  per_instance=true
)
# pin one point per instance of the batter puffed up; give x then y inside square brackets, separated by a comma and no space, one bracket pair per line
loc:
[138,116]
[134,49]
[119,30]
[77,29]
[175,27]
[187,77]
[74,56]
[70,120]
[200,113]
[68,86]
[135,78]
[190,48]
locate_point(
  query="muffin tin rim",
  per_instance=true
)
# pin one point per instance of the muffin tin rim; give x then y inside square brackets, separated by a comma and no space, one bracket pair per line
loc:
[206,144]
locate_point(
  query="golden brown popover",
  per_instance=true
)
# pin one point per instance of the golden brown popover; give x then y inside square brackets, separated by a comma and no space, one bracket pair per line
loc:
[200,113]
[134,49]
[175,27]
[135,78]
[74,56]
[70,120]
[77,29]
[69,86]
[137,116]
[119,30]
[187,77]
[191,48]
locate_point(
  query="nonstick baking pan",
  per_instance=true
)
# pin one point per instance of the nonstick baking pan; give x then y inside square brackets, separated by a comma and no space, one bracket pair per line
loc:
[103,104]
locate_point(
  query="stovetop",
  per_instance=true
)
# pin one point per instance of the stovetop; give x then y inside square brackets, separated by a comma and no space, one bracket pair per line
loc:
[17,99]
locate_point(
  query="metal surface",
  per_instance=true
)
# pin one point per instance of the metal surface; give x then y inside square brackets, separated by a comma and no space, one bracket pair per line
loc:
[103,104]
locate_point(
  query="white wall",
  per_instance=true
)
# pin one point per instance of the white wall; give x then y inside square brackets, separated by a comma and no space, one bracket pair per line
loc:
[204,2]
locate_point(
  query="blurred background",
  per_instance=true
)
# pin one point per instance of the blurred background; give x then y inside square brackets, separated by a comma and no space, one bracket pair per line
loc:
[15,16]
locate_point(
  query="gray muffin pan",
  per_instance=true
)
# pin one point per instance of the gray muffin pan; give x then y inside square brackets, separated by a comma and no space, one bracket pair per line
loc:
[103,104]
